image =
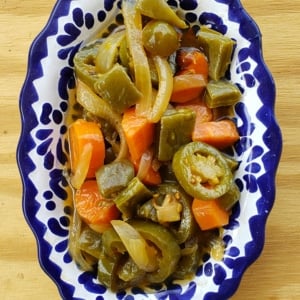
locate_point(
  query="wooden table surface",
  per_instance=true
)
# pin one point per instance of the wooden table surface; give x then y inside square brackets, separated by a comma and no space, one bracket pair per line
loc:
[275,275]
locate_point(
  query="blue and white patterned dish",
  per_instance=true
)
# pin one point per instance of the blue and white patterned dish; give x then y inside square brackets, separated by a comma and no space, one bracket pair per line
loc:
[41,152]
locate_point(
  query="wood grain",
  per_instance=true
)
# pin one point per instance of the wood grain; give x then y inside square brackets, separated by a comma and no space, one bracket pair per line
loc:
[275,275]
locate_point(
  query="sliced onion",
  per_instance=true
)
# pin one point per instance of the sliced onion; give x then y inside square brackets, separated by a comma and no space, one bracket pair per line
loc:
[133,23]
[100,108]
[165,87]
[82,168]
[145,164]
[138,249]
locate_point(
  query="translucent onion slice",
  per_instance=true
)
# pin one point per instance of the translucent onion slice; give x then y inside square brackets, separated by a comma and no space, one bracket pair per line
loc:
[145,164]
[138,249]
[81,171]
[133,23]
[165,87]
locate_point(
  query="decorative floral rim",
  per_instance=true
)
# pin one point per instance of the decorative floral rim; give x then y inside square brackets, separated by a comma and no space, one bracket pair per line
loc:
[41,152]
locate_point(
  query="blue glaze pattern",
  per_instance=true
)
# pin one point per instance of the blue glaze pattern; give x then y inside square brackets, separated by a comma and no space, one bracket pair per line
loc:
[42,149]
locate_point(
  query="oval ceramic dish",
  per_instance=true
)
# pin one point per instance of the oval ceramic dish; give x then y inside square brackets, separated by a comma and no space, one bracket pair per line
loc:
[42,149]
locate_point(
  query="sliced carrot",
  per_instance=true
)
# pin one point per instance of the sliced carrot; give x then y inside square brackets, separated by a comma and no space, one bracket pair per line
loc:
[220,134]
[81,133]
[187,87]
[192,61]
[203,113]
[139,133]
[208,214]
[93,208]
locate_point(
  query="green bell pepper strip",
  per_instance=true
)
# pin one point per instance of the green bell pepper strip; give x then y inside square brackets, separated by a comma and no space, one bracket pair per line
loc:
[128,199]
[114,177]
[174,130]
[160,10]
[202,171]
[108,52]
[164,241]
[221,93]
[100,108]
[116,87]
[133,25]
[218,48]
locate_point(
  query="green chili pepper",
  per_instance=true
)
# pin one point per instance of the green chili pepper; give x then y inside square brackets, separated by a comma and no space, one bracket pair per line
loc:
[84,64]
[90,242]
[230,198]
[124,54]
[112,244]
[174,130]
[107,271]
[160,10]
[108,52]
[232,163]
[218,48]
[186,226]
[221,93]
[147,211]
[190,259]
[168,249]
[160,38]
[116,87]
[130,273]
[114,177]
[167,174]
[202,171]
[128,199]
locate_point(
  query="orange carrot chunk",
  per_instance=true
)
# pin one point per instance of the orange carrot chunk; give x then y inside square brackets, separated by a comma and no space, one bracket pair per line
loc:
[203,113]
[81,133]
[220,134]
[139,133]
[208,214]
[192,61]
[94,209]
[187,87]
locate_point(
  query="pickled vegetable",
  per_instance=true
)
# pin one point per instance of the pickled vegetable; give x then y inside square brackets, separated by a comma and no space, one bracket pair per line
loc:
[174,130]
[161,188]
[221,93]
[202,171]
[160,10]
[131,196]
[160,38]
[218,48]
[116,87]
[109,180]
